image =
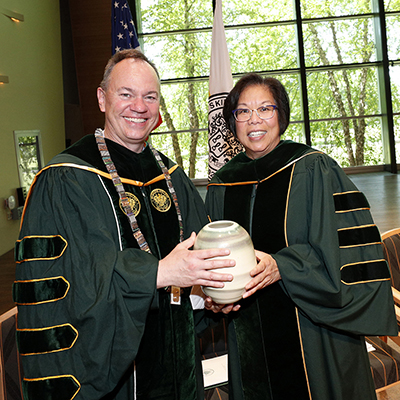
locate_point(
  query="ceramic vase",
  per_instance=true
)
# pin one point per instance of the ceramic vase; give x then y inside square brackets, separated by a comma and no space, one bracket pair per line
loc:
[229,234]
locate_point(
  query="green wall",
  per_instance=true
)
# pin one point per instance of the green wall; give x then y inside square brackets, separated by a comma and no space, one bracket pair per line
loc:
[30,55]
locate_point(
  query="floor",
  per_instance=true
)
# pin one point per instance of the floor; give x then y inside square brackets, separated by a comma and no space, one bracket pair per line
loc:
[381,189]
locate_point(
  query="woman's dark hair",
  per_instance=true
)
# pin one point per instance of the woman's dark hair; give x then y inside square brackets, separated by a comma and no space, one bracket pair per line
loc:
[277,90]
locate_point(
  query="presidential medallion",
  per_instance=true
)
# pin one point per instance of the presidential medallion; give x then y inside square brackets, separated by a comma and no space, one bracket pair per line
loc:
[133,202]
[160,200]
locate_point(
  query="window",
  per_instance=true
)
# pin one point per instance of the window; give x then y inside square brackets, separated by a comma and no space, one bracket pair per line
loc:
[29,155]
[330,55]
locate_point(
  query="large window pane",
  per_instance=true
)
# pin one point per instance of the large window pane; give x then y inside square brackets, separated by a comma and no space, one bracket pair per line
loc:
[337,42]
[184,108]
[332,137]
[393,37]
[342,93]
[262,49]
[256,11]
[186,105]
[328,8]
[396,122]
[161,16]
[395,87]
[292,85]
[295,132]
[193,50]
[392,5]
[164,143]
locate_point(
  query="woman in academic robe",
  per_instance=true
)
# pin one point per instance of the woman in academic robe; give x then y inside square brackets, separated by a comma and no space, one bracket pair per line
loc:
[321,282]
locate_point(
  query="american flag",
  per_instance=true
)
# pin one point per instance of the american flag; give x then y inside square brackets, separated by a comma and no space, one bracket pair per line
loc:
[123,32]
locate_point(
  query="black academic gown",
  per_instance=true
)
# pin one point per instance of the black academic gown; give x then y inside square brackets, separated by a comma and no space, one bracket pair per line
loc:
[302,337]
[91,322]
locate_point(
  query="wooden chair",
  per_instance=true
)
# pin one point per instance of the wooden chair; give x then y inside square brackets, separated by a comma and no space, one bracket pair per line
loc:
[391,250]
[10,365]
[384,363]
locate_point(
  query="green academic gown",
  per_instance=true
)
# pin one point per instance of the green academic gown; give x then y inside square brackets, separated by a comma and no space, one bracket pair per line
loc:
[302,337]
[91,323]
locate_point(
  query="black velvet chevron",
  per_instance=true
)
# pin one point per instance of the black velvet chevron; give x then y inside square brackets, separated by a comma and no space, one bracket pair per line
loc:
[41,291]
[364,272]
[61,388]
[350,201]
[45,340]
[42,247]
[359,236]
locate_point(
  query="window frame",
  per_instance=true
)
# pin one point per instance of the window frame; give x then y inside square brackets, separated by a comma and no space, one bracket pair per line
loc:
[382,65]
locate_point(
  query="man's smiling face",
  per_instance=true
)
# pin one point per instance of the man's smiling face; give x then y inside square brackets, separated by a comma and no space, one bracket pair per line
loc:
[131,103]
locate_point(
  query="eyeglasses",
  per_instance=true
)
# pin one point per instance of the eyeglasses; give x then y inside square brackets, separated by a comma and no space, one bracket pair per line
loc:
[263,112]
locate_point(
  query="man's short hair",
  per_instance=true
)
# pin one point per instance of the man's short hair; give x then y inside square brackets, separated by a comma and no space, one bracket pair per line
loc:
[123,55]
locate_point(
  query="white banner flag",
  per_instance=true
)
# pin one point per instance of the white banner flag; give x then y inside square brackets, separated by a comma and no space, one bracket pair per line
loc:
[222,145]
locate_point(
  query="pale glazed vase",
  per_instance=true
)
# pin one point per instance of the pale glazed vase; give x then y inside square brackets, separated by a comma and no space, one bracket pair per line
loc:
[230,235]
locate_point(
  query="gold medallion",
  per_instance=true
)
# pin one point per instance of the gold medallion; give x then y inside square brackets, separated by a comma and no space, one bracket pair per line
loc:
[133,202]
[160,200]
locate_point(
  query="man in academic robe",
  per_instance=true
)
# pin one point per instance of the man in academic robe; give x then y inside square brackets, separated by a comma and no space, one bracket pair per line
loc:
[104,270]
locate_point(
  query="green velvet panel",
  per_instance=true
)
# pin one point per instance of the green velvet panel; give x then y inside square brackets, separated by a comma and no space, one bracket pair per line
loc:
[41,291]
[142,168]
[165,363]
[350,201]
[242,195]
[45,340]
[359,236]
[268,316]
[148,217]
[364,272]
[39,247]
[60,388]
[166,355]
[245,169]
[269,211]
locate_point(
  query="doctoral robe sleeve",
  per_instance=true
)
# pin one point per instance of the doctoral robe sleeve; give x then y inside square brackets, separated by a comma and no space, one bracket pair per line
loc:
[333,267]
[82,299]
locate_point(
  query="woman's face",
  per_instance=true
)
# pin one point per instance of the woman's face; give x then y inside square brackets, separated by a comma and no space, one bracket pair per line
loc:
[258,136]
